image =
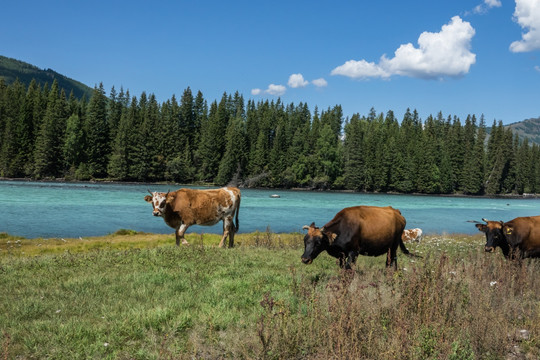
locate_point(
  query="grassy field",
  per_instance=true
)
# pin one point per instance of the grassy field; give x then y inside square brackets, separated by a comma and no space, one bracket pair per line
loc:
[137,296]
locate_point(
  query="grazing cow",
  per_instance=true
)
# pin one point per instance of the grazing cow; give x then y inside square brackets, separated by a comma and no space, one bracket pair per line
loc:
[411,235]
[359,230]
[519,237]
[185,207]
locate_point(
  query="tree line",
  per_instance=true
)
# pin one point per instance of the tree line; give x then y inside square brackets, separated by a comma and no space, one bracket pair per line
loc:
[47,134]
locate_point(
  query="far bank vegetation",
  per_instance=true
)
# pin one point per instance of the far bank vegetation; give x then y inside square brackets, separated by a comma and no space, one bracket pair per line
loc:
[46,133]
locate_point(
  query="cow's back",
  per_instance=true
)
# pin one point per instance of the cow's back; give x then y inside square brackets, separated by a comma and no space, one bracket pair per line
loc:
[205,206]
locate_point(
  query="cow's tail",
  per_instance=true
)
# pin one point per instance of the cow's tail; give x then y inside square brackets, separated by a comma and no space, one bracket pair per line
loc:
[237,225]
[405,250]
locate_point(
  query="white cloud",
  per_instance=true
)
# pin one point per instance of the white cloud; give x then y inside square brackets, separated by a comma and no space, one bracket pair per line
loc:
[446,53]
[360,69]
[272,90]
[297,80]
[320,82]
[527,15]
[275,89]
[537,68]
[493,3]
[486,5]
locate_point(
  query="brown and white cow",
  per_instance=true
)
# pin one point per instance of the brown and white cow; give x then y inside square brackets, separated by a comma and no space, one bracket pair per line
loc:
[185,207]
[519,237]
[358,230]
[411,235]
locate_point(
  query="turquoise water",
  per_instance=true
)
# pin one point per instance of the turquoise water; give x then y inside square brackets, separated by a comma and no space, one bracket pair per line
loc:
[53,209]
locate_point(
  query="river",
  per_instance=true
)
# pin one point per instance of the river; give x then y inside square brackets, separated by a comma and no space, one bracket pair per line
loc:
[66,210]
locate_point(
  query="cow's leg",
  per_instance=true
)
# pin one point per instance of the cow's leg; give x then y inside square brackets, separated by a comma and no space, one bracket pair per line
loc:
[231,231]
[180,231]
[228,230]
[351,259]
[225,233]
[391,257]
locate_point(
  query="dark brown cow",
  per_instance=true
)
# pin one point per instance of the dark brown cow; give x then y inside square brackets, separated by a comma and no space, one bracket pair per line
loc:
[185,207]
[519,237]
[359,230]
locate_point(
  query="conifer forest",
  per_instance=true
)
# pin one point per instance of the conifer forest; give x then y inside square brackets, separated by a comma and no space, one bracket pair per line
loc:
[48,134]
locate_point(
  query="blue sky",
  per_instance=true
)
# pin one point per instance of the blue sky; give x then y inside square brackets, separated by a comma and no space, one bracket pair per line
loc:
[458,57]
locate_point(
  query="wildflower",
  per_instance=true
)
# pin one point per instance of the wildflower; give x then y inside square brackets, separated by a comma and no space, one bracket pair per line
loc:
[106,344]
[58,311]
[493,283]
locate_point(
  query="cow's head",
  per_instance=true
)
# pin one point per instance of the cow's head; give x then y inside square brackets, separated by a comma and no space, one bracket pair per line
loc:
[495,236]
[316,241]
[158,201]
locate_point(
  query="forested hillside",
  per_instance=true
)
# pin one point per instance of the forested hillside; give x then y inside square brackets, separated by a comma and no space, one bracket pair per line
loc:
[46,134]
[12,70]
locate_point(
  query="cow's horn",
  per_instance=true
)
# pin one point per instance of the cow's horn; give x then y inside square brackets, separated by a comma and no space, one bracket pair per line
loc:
[151,193]
[305,227]
[484,219]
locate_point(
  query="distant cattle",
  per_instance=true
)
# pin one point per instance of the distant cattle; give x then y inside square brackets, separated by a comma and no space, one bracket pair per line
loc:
[519,237]
[185,207]
[359,230]
[411,235]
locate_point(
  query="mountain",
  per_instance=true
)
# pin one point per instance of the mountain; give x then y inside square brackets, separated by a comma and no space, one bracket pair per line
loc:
[529,128]
[11,69]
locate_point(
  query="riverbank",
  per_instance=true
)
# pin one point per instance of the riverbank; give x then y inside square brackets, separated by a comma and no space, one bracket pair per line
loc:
[306,189]
[126,238]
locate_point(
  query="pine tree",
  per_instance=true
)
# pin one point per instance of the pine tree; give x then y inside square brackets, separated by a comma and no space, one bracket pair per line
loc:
[475,163]
[114,113]
[354,159]
[73,148]
[97,134]
[139,153]
[48,155]
[121,160]
[523,167]
[496,160]
[212,143]
[232,165]
[429,175]
[14,133]
[278,163]
[328,157]
[409,134]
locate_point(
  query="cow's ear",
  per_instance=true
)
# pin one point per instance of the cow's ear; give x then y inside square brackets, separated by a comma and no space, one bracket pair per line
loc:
[331,236]
[148,198]
[169,197]
[481,227]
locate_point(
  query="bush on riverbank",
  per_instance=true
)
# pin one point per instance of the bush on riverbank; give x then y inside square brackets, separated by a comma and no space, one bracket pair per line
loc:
[138,296]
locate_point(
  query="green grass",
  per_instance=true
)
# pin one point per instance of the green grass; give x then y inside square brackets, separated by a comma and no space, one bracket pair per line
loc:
[138,296]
